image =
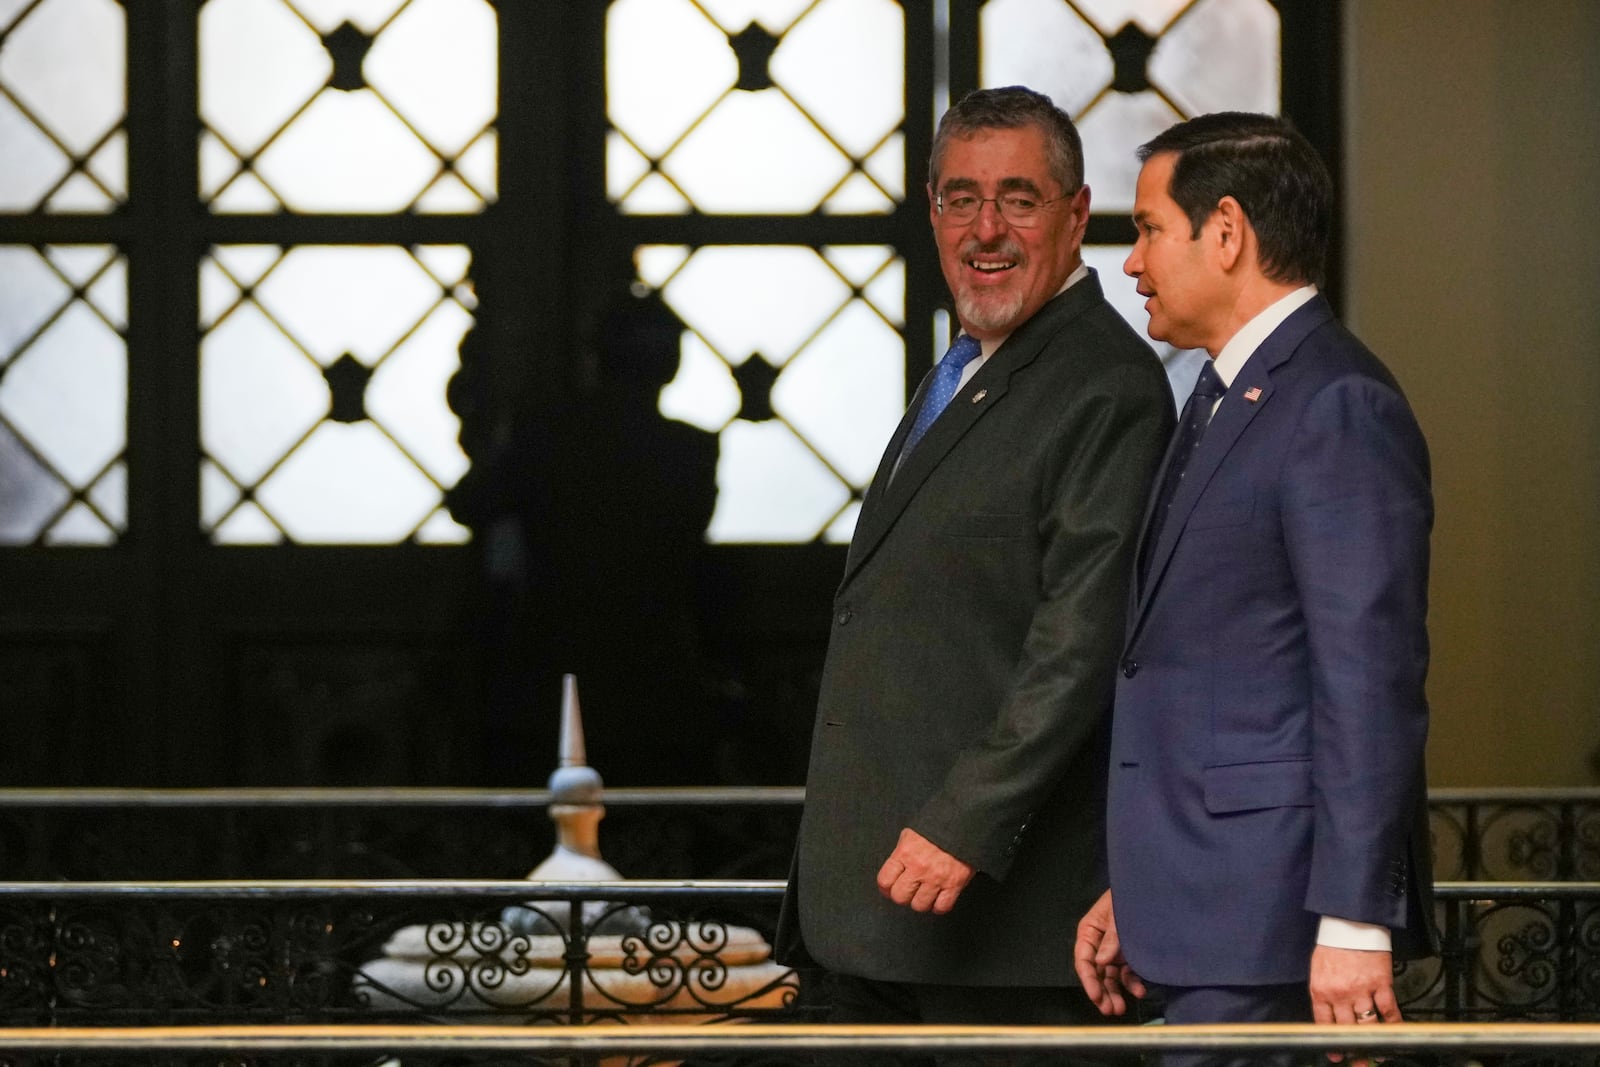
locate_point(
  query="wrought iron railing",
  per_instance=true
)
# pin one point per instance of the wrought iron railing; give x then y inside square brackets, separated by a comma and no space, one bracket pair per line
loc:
[76,954]
[1479,835]
[1407,1045]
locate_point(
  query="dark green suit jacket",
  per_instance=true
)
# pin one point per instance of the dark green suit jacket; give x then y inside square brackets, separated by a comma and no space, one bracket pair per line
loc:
[969,671]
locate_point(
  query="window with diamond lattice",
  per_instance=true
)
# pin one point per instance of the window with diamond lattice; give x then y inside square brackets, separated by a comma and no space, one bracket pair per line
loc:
[1125,70]
[373,107]
[63,394]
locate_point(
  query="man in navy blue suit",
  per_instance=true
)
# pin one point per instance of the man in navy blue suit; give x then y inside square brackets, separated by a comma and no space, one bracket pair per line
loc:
[1266,814]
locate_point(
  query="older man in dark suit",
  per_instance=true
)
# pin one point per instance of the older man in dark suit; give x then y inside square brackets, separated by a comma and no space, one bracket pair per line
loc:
[952,827]
[1267,830]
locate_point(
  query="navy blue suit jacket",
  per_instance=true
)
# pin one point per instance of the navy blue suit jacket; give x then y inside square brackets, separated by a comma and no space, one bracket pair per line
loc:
[1267,743]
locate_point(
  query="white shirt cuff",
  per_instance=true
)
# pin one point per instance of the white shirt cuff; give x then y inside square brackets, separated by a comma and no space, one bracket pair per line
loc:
[1347,933]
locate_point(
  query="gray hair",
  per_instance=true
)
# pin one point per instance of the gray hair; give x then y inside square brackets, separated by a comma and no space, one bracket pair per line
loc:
[1010,108]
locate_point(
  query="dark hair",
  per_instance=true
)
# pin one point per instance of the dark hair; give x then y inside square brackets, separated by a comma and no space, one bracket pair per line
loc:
[1270,169]
[1011,108]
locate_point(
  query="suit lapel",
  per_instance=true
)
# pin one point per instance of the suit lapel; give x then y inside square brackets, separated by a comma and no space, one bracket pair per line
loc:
[1233,416]
[893,490]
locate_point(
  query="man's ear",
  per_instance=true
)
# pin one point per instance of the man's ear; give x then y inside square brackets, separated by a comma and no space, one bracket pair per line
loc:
[933,206]
[1232,228]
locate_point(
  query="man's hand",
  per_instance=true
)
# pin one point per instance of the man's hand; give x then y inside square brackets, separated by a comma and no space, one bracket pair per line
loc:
[1350,985]
[1097,954]
[922,876]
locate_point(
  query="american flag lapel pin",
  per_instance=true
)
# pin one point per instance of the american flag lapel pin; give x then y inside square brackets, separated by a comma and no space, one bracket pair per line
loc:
[981,393]
[1253,393]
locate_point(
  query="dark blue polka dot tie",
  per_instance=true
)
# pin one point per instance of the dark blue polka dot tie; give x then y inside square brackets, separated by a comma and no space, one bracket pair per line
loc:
[946,380]
[1196,417]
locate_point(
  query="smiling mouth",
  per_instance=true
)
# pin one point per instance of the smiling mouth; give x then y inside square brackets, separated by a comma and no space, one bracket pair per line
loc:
[987,266]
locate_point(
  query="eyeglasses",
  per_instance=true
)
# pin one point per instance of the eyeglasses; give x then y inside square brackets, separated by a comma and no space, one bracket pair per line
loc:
[1019,209]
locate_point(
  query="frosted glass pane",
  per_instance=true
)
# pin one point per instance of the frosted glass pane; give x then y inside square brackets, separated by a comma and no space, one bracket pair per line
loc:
[756,154]
[843,63]
[258,64]
[771,487]
[405,392]
[755,299]
[1112,132]
[32,164]
[64,61]
[1044,45]
[30,292]
[110,495]
[1221,56]
[259,394]
[666,65]
[430,88]
[857,263]
[30,495]
[80,526]
[266,404]
[703,393]
[348,484]
[1151,16]
[67,394]
[437,64]
[774,15]
[357,299]
[844,392]
[440,529]
[347,152]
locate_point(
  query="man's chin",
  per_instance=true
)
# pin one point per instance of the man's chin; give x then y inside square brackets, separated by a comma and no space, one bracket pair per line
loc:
[990,316]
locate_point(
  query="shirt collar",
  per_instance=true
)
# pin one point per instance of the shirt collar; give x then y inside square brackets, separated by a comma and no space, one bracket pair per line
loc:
[1242,345]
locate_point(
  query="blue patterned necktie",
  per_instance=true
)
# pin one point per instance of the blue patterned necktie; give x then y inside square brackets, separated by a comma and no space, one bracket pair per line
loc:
[946,379]
[1196,417]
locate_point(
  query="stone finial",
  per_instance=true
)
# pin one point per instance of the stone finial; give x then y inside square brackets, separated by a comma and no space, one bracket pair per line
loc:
[573,782]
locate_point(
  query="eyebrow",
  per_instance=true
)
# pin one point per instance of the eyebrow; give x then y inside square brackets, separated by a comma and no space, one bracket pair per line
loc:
[1007,185]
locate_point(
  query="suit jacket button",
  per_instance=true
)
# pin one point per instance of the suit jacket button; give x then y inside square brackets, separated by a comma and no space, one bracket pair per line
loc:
[1130,667]
[845,616]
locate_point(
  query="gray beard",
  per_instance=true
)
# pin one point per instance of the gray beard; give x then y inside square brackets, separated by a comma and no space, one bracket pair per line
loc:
[989,314]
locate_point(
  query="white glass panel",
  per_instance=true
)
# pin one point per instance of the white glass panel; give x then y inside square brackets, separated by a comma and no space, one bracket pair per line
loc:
[64,62]
[29,494]
[360,300]
[347,152]
[1044,45]
[1152,16]
[858,263]
[703,393]
[218,293]
[247,264]
[29,164]
[655,196]
[1221,56]
[406,394]
[367,15]
[10,9]
[448,195]
[447,264]
[78,263]
[109,165]
[108,294]
[348,484]
[657,263]
[845,391]
[887,292]
[844,527]
[79,526]
[479,165]
[79,194]
[858,196]
[440,529]
[888,166]
[110,494]
[844,63]
[68,394]
[1112,132]
[771,487]
[756,299]
[248,526]
[258,394]
[625,165]
[438,65]
[755,153]
[773,15]
[666,64]
[30,292]
[218,494]
[258,64]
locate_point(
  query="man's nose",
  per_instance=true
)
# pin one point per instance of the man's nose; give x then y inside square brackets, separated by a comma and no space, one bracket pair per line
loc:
[989,221]
[1133,266]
